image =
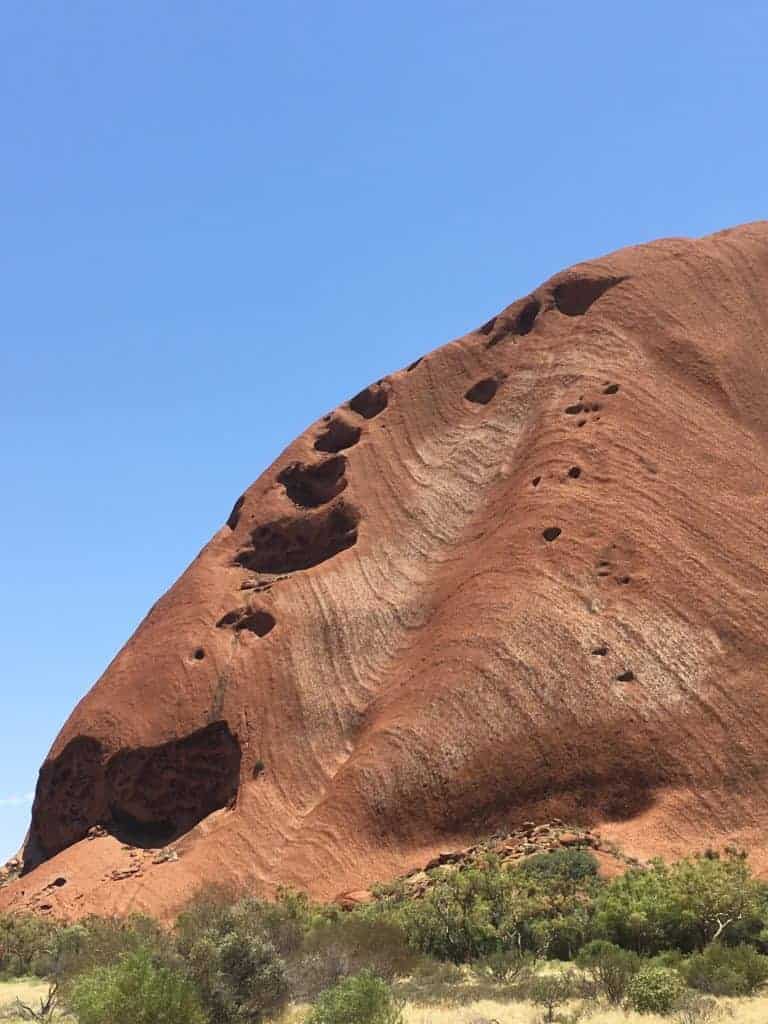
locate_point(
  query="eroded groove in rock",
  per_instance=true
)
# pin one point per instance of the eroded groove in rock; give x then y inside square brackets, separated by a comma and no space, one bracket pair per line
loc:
[311,486]
[289,544]
[575,297]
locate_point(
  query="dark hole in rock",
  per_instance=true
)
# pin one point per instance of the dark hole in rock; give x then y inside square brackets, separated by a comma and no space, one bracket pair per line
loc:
[199,654]
[258,769]
[482,392]
[573,409]
[370,401]
[551,533]
[156,794]
[626,677]
[414,364]
[575,297]
[536,481]
[259,622]
[337,436]
[526,318]
[57,883]
[623,579]
[600,651]
[145,796]
[289,544]
[69,799]
[310,486]
[580,423]
[228,620]
[521,322]
[574,472]
[611,389]
[234,515]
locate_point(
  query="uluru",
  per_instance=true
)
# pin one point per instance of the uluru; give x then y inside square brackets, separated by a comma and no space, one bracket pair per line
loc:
[523,579]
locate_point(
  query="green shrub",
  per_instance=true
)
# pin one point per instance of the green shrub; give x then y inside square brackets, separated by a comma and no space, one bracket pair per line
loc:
[726,970]
[573,864]
[135,991]
[609,967]
[361,999]
[654,989]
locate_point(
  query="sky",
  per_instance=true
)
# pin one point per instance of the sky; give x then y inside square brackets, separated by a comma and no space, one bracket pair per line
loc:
[221,219]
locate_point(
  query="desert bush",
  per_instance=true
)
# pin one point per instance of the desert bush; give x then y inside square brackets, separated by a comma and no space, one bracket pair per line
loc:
[334,948]
[552,990]
[102,941]
[135,991]
[488,908]
[609,967]
[239,976]
[695,1008]
[726,970]
[25,944]
[508,967]
[361,999]
[684,906]
[572,864]
[654,989]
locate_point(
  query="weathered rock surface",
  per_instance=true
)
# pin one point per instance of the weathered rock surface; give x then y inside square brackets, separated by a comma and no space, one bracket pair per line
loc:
[523,579]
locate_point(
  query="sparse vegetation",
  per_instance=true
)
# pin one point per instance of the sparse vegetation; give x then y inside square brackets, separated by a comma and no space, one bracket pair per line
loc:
[544,933]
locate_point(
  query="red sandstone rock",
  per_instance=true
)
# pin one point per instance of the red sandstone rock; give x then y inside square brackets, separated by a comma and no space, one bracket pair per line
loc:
[523,578]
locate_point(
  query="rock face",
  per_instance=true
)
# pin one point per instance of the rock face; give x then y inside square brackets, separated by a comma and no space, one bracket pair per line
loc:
[525,577]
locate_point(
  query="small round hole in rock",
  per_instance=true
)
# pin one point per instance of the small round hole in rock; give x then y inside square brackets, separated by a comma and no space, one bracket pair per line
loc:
[258,769]
[57,883]
[574,472]
[199,654]
[482,392]
[600,652]
[536,481]
[611,389]
[626,677]
[580,423]
[571,410]
[551,533]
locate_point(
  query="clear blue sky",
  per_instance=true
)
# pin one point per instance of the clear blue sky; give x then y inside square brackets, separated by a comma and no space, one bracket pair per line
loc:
[220,219]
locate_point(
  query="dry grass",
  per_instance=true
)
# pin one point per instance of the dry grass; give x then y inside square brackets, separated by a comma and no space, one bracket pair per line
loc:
[744,1011]
[28,990]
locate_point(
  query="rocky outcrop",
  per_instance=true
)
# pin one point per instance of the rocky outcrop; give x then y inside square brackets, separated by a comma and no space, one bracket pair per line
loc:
[521,579]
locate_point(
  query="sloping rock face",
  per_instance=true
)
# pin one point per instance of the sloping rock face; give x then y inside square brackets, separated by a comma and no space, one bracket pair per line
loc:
[524,578]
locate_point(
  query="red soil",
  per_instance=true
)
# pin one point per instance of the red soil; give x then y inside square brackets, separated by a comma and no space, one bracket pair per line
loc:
[524,578]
